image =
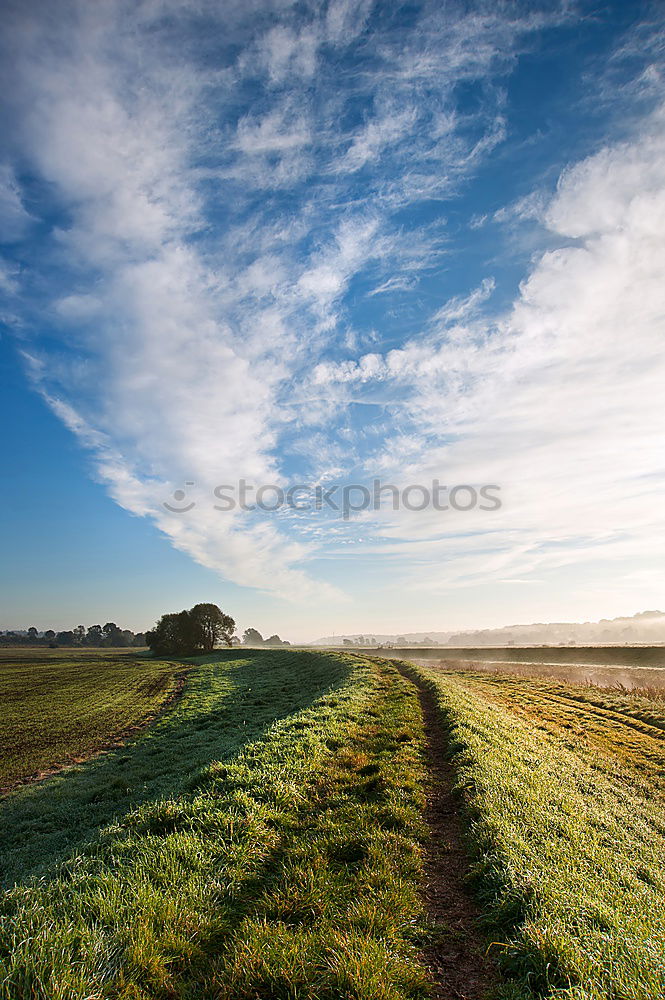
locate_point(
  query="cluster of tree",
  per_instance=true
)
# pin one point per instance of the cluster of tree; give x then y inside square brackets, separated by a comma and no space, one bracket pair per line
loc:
[186,633]
[253,638]
[93,636]
[399,640]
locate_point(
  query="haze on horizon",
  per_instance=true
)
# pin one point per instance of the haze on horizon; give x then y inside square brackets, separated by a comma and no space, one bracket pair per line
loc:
[327,244]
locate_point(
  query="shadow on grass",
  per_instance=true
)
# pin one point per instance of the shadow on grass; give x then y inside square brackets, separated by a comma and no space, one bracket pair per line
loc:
[230,698]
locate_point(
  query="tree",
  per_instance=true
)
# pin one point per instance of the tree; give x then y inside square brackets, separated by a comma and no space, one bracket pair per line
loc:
[274,640]
[211,626]
[252,638]
[65,638]
[112,635]
[94,636]
[172,635]
[49,634]
[32,632]
[79,634]
[189,632]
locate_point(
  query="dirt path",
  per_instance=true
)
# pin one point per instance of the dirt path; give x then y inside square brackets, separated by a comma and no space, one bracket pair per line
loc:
[457,953]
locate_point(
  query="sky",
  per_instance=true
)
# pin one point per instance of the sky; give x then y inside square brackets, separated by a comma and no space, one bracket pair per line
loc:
[328,245]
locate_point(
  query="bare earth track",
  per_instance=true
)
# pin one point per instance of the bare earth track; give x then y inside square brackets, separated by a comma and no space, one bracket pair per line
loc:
[457,953]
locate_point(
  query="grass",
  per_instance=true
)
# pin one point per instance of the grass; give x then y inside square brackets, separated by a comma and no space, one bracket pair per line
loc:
[644,693]
[59,708]
[263,838]
[83,654]
[563,792]
[260,841]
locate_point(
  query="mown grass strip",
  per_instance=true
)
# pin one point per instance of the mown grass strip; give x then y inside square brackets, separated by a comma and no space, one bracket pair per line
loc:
[287,867]
[568,854]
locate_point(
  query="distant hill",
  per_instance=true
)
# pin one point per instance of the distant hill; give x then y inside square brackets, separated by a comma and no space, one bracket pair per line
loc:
[646,626]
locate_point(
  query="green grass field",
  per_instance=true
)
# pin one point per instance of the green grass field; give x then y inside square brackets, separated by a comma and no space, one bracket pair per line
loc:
[563,793]
[58,706]
[265,838]
[259,841]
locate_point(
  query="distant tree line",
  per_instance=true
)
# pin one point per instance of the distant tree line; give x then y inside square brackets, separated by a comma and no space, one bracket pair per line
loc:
[400,640]
[183,633]
[94,636]
[186,633]
[253,638]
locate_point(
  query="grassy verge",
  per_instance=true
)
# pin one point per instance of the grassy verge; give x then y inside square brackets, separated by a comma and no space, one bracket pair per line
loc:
[276,856]
[564,794]
[56,709]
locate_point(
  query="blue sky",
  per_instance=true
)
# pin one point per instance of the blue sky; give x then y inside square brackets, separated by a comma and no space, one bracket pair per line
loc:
[321,244]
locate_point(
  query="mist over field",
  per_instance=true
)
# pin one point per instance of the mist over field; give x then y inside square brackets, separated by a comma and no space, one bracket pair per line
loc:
[644,627]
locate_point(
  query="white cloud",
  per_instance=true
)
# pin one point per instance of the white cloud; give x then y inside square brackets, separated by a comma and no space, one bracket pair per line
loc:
[399,283]
[392,126]
[345,19]
[78,308]
[209,225]
[274,133]
[530,207]
[354,242]
[558,400]
[463,307]
[286,53]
